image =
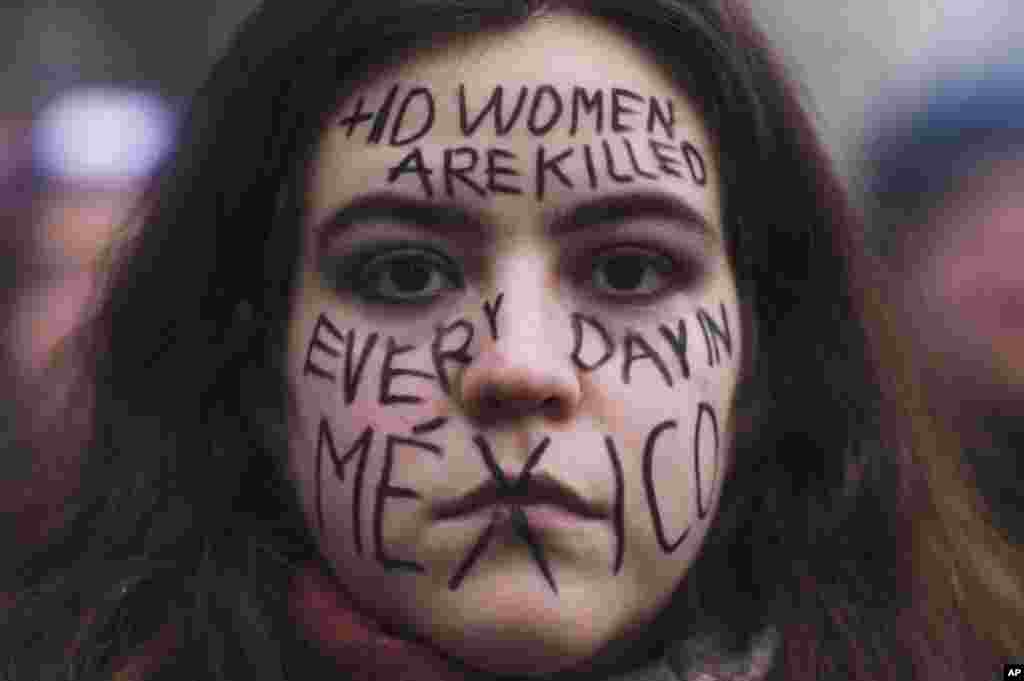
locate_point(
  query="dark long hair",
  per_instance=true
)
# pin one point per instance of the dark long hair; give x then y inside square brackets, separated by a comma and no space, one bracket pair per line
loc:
[186,516]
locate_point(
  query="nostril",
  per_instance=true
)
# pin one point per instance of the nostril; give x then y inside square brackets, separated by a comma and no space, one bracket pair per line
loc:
[503,385]
[554,408]
[490,405]
[494,403]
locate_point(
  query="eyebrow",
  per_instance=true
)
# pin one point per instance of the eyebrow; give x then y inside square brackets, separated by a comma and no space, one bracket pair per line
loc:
[444,218]
[617,208]
[448,218]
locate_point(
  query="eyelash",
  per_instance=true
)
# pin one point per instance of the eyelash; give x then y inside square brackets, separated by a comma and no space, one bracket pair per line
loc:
[674,271]
[357,273]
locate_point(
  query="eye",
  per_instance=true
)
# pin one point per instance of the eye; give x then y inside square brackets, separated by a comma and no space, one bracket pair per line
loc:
[632,273]
[400,275]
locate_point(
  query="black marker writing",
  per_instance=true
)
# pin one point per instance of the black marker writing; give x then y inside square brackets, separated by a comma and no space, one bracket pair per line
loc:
[413,163]
[474,553]
[325,442]
[695,162]
[481,172]
[423,95]
[678,343]
[618,520]
[553,115]
[388,375]
[552,165]
[442,356]
[610,161]
[588,159]
[380,121]
[317,343]
[385,490]
[635,339]
[419,96]
[494,185]
[454,172]
[636,166]
[715,335]
[357,117]
[508,492]
[620,110]
[429,426]
[652,497]
[667,164]
[494,107]
[705,419]
[545,107]
[635,347]
[354,374]
[668,122]
[577,327]
[581,102]
[522,527]
[492,314]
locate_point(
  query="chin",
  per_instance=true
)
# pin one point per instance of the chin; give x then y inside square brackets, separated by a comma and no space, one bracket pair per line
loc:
[524,640]
[525,654]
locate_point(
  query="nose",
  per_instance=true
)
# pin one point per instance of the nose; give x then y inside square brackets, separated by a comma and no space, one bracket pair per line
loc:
[526,372]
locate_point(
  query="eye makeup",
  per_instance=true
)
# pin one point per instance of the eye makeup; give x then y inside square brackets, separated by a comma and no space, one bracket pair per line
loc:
[633,250]
[396,272]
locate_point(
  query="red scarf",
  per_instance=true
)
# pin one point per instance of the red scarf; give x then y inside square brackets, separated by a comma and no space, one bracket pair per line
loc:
[361,649]
[356,642]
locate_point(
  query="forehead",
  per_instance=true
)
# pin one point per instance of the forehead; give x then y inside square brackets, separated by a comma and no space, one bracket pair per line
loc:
[559,48]
[562,62]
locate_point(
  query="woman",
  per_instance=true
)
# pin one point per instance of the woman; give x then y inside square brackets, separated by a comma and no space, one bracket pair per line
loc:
[526,375]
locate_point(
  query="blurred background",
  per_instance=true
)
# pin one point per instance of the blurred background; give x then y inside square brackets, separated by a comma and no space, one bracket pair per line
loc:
[92,91]
[844,49]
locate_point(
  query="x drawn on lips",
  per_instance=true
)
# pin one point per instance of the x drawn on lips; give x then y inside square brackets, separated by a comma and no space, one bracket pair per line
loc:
[524,490]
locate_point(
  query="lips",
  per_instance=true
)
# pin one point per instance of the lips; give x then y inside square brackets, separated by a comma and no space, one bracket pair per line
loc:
[542,488]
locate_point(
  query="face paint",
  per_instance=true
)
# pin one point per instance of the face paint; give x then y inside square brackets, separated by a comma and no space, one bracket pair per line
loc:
[535,112]
[466,171]
[515,269]
[508,495]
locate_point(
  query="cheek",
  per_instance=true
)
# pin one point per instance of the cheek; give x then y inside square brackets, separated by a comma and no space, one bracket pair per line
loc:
[664,408]
[672,437]
[673,468]
[361,397]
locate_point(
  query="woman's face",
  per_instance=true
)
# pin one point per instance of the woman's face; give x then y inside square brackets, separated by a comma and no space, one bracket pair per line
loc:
[515,342]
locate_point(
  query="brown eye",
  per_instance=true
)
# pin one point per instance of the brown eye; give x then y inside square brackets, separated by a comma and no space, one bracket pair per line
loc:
[631,272]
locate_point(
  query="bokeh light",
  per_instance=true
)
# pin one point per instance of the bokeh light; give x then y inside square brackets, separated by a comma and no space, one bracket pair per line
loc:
[102,136]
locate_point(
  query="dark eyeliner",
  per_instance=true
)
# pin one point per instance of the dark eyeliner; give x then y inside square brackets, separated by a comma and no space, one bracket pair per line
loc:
[679,269]
[347,273]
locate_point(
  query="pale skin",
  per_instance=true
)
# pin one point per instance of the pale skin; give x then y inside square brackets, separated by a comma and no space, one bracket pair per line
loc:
[506,614]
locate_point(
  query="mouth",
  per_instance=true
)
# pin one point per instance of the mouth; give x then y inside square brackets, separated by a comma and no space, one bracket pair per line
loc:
[542,489]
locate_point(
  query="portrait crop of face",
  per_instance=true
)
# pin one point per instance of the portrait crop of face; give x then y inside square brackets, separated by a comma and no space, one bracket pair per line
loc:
[514,344]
